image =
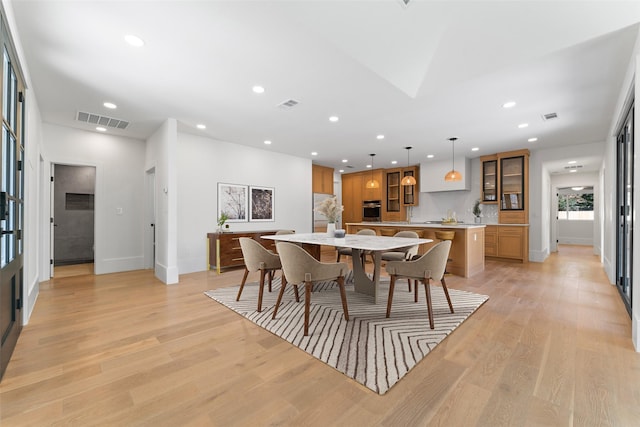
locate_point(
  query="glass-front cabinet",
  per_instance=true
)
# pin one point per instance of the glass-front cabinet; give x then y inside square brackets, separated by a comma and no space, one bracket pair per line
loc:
[409,192]
[512,183]
[393,191]
[490,181]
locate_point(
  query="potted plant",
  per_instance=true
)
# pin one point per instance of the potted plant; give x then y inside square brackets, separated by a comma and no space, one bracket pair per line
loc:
[476,211]
[221,220]
[332,210]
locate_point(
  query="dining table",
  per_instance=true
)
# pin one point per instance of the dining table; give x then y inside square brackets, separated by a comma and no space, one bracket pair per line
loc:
[359,244]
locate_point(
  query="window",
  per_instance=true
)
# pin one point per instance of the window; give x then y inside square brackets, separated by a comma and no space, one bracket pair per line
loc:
[575,203]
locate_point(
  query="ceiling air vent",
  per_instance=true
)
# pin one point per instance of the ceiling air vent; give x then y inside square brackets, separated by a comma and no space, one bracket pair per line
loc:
[405,3]
[573,167]
[549,116]
[96,119]
[288,104]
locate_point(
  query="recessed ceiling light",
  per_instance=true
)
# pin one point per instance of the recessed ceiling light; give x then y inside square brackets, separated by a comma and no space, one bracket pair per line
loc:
[134,40]
[573,170]
[258,89]
[523,125]
[532,139]
[429,156]
[314,153]
[393,162]
[110,105]
[201,126]
[267,142]
[577,188]
[509,104]
[475,149]
[341,170]
[334,119]
[380,137]
[344,160]
[101,129]
[368,166]
[572,162]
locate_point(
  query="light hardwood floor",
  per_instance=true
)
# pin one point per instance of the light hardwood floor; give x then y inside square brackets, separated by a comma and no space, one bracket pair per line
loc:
[551,347]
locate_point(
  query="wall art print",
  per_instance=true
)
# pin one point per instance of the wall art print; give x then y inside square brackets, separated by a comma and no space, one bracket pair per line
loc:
[262,203]
[233,201]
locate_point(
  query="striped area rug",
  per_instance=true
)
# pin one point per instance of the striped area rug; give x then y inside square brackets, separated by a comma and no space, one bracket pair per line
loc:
[373,350]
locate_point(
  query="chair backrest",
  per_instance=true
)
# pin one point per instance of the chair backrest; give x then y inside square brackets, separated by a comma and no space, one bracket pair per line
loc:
[366,232]
[411,250]
[435,259]
[432,264]
[279,232]
[298,265]
[257,256]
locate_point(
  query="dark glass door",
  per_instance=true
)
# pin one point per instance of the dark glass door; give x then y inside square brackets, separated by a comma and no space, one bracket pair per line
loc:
[624,244]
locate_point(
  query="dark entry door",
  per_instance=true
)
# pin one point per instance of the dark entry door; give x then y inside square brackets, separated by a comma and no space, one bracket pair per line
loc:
[11,207]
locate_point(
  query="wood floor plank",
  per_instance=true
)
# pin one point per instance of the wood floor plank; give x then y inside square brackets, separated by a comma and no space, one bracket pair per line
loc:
[551,346]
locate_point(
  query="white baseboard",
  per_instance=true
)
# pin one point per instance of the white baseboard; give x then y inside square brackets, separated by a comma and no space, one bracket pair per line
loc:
[538,256]
[635,334]
[30,301]
[168,275]
[575,241]
[116,265]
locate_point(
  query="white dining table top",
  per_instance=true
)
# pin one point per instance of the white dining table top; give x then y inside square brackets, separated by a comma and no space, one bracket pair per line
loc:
[354,241]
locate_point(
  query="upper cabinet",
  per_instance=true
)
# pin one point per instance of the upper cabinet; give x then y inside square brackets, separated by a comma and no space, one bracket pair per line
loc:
[505,181]
[432,175]
[489,179]
[322,179]
[393,202]
[410,192]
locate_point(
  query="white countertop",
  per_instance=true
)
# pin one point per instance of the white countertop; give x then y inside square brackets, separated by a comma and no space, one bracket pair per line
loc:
[419,225]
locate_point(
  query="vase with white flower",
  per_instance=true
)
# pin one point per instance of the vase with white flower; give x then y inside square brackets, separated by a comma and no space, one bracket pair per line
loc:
[332,210]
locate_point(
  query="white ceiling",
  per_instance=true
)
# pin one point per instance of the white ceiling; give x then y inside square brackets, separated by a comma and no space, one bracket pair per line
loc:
[418,74]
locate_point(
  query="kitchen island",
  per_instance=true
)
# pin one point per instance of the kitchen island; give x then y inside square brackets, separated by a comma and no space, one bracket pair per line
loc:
[467,246]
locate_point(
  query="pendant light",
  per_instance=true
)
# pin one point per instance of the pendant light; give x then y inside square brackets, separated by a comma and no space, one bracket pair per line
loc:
[453,174]
[408,179]
[372,183]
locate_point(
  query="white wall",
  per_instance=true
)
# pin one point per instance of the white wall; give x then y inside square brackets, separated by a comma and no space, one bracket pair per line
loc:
[161,154]
[119,185]
[203,162]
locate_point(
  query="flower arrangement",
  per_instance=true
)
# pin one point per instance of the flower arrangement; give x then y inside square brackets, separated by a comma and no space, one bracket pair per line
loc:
[476,211]
[222,219]
[330,208]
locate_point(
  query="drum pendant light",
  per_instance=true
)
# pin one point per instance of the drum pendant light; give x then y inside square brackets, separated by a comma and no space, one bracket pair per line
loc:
[372,183]
[409,179]
[453,174]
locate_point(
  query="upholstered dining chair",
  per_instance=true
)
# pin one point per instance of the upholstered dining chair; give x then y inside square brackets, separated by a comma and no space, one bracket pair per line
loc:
[258,258]
[299,267]
[429,266]
[402,254]
[348,251]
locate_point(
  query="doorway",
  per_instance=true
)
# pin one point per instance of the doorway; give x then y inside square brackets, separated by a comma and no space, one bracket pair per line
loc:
[150,220]
[624,240]
[73,201]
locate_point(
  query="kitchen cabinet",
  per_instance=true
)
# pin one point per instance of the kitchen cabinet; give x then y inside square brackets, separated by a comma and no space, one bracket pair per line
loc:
[432,175]
[410,193]
[322,179]
[507,242]
[513,184]
[352,187]
[372,193]
[392,209]
[489,180]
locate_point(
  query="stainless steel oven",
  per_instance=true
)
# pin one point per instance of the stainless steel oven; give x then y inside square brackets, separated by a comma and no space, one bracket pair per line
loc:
[371,210]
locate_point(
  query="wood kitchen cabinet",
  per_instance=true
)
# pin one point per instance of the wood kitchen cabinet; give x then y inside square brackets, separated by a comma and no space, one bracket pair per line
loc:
[507,242]
[489,179]
[410,193]
[352,188]
[322,179]
[513,184]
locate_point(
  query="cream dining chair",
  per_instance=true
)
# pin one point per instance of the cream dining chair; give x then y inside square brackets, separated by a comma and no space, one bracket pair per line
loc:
[429,266]
[402,254]
[299,267]
[258,258]
[349,251]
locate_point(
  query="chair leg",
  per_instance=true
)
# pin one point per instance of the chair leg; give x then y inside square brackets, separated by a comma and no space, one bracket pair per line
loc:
[338,259]
[392,284]
[244,279]
[270,279]
[409,283]
[275,309]
[415,291]
[343,295]
[307,306]
[427,290]
[446,293]
[261,289]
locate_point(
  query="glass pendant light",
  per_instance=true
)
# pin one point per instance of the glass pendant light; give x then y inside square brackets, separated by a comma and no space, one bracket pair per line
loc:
[372,183]
[408,179]
[453,174]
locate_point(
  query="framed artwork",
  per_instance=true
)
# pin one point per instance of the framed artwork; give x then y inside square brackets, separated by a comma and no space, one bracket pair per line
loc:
[262,203]
[233,201]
